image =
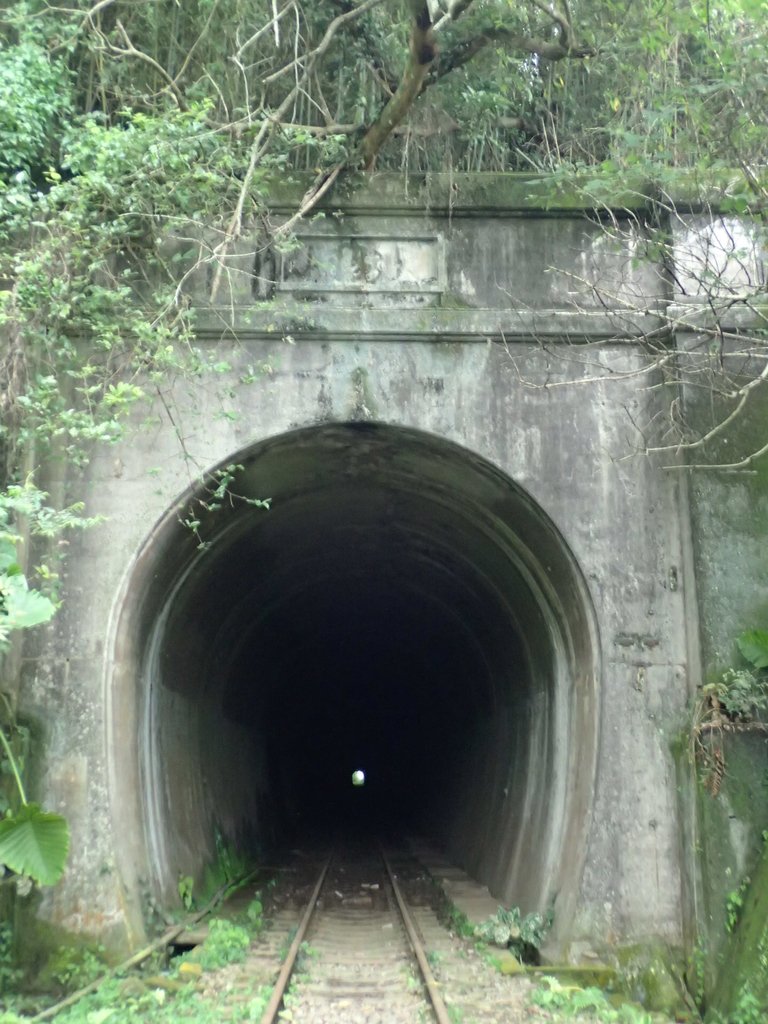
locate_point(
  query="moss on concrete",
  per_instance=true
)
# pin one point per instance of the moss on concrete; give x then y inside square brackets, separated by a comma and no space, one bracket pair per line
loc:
[742,987]
[450,301]
[600,976]
[52,959]
[518,193]
[651,973]
[730,827]
[731,562]
[646,974]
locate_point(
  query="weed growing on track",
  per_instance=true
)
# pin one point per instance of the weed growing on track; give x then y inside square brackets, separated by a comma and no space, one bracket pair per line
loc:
[227,943]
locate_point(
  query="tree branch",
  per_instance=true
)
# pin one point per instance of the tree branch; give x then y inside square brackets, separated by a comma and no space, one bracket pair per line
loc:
[463,51]
[261,141]
[560,18]
[377,64]
[456,9]
[422,53]
[131,51]
[264,29]
[308,59]
[180,74]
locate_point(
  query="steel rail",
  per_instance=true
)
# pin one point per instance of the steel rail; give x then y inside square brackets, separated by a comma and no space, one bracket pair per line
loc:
[284,977]
[438,1005]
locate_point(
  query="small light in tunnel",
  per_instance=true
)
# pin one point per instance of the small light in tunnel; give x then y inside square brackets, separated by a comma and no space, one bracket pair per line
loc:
[358,778]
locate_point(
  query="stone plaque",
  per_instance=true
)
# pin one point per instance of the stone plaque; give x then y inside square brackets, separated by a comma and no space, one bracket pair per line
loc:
[345,269]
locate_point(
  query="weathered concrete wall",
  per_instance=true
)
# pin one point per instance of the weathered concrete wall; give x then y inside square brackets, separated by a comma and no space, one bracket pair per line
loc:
[729,510]
[456,320]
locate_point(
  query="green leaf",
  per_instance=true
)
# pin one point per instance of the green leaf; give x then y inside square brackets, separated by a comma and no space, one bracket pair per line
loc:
[753,644]
[8,557]
[35,842]
[20,607]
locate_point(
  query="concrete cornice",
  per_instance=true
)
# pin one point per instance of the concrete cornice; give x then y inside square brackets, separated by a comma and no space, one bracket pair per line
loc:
[518,194]
[467,325]
[324,323]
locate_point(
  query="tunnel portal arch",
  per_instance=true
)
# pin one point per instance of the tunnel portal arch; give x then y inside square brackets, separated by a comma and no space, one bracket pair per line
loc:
[404,607]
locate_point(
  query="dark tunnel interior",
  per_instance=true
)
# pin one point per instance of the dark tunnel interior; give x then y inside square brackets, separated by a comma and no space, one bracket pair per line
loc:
[403,608]
[365,673]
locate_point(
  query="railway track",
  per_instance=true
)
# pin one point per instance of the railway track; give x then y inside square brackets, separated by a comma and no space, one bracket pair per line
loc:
[354,939]
[337,951]
[362,956]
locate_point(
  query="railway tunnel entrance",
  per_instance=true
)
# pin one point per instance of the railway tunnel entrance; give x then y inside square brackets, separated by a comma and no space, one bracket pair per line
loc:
[403,608]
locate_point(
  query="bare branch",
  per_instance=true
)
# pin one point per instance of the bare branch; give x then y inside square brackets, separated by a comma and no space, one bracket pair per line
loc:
[201,36]
[309,59]
[744,463]
[455,10]
[310,199]
[261,142]
[265,28]
[129,50]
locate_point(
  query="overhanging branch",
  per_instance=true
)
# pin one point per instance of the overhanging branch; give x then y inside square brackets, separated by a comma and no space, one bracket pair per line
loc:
[422,53]
[464,50]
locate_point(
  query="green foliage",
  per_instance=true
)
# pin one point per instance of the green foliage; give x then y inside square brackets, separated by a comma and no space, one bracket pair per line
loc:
[573,1001]
[10,974]
[753,645]
[304,956]
[510,929]
[227,943]
[254,913]
[186,887]
[696,973]
[734,904]
[35,102]
[116,1002]
[741,693]
[253,1010]
[675,87]
[231,864]
[460,923]
[218,492]
[747,1010]
[20,607]
[74,967]
[35,843]
[81,256]
[28,501]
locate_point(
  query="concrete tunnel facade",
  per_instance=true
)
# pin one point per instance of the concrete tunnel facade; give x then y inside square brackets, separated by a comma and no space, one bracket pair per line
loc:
[465,585]
[404,607]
